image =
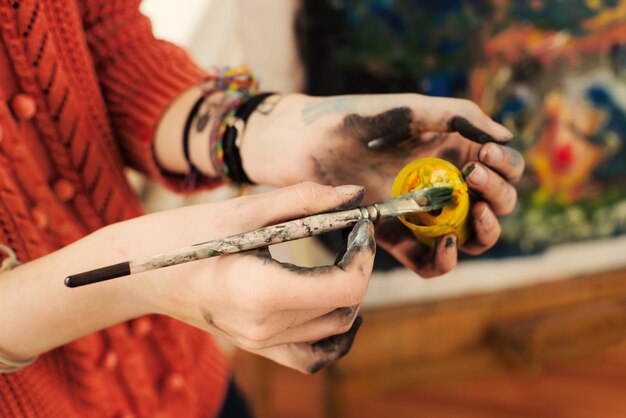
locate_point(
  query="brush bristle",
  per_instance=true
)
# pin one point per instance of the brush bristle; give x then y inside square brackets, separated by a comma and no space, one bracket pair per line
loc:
[439,197]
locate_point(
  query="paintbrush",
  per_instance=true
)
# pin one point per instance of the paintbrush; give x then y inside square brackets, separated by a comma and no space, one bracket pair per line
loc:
[424,200]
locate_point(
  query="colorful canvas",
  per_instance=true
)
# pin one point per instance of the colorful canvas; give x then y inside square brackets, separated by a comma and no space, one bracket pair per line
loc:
[554,72]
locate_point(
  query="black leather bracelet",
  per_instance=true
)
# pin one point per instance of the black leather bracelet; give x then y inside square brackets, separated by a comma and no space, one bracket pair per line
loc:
[232,157]
[193,172]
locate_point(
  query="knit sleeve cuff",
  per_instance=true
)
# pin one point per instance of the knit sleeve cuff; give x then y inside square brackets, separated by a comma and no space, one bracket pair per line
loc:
[139,87]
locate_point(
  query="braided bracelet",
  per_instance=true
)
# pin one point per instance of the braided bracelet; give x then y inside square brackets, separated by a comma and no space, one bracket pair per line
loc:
[221,97]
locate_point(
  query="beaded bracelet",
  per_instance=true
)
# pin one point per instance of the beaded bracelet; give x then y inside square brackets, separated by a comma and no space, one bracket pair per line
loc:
[221,96]
[238,85]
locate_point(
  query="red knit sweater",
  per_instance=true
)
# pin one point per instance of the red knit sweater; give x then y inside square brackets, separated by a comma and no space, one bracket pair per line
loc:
[82,86]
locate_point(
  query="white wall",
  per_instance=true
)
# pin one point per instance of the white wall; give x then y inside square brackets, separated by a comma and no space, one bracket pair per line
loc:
[257,33]
[175,23]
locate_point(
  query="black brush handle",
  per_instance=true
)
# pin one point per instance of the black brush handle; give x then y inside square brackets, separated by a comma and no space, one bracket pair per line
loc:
[98,275]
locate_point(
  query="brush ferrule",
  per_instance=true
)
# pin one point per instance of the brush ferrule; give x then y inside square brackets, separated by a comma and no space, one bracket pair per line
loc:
[370,212]
[399,206]
[417,201]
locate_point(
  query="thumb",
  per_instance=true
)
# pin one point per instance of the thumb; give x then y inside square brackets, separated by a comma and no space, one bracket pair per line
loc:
[304,199]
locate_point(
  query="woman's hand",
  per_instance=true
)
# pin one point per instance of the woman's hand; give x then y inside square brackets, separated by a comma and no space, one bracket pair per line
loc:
[304,318]
[368,139]
[300,317]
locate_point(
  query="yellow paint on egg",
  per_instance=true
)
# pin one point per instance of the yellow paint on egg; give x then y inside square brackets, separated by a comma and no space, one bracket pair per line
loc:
[428,226]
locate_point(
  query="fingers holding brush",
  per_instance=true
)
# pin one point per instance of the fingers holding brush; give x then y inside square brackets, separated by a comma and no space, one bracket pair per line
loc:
[335,322]
[298,200]
[311,357]
[298,316]
[294,287]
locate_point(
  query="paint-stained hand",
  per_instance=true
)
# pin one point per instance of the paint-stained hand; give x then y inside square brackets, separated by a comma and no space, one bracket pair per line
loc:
[304,318]
[368,139]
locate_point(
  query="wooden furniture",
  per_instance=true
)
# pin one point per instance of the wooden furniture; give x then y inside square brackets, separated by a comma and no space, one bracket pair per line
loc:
[517,330]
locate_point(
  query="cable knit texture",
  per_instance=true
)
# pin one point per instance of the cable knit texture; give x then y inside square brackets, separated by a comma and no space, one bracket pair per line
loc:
[83,84]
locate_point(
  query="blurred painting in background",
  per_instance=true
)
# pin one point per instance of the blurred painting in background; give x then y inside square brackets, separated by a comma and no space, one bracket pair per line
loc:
[553,72]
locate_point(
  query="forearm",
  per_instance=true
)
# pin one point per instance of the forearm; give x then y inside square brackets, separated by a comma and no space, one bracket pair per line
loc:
[189,133]
[40,313]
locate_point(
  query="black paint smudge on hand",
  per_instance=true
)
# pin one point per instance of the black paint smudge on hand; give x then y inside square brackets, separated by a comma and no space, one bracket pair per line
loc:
[360,240]
[453,155]
[353,202]
[392,232]
[464,127]
[333,348]
[383,130]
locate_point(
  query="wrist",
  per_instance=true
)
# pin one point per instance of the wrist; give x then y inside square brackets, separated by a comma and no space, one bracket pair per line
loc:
[234,135]
[132,296]
[162,290]
[273,141]
[168,147]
